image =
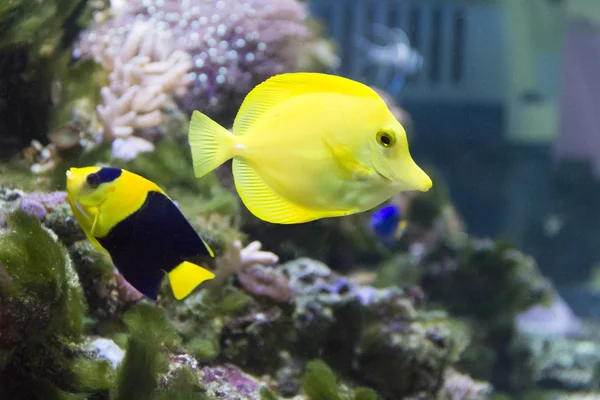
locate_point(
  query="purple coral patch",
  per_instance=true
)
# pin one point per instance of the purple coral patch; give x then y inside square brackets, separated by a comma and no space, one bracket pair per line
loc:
[233,377]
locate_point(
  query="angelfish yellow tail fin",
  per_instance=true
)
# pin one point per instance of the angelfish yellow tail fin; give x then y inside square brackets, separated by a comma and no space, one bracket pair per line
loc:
[211,144]
[185,277]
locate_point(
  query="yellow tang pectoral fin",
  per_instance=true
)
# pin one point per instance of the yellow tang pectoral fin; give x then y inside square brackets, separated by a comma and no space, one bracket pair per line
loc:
[186,276]
[348,161]
[263,202]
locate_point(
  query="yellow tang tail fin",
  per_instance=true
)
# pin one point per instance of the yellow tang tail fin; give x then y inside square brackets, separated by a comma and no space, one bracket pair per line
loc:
[211,144]
[185,277]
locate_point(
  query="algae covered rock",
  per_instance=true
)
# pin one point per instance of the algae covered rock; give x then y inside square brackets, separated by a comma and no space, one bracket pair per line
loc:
[558,363]
[42,315]
[402,350]
[379,336]
[38,282]
[327,310]
[483,278]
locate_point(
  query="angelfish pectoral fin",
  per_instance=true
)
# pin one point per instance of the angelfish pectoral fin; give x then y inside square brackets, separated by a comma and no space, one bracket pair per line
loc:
[185,277]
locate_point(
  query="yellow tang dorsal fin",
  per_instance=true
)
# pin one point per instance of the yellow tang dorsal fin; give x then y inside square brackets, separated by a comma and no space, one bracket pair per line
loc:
[185,277]
[281,87]
[347,160]
[263,202]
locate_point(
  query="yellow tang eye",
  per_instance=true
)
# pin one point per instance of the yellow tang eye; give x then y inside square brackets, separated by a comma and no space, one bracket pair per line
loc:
[386,139]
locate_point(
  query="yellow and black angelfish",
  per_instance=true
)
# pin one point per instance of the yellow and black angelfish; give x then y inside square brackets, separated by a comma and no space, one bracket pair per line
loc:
[140,227]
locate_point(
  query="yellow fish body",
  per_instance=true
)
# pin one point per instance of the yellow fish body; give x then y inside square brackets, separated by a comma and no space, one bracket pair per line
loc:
[137,224]
[307,146]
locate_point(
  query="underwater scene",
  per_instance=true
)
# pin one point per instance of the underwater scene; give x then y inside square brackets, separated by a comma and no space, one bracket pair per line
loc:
[304,200]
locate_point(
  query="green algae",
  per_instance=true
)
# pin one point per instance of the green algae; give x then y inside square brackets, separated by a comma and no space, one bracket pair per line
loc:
[493,280]
[266,394]
[35,40]
[91,375]
[41,273]
[138,375]
[179,395]
[320,383]
[43,317]
[200,318]
[204,349]
[152,339]
[151,334]
[184,379]
[149,324]
[25,23]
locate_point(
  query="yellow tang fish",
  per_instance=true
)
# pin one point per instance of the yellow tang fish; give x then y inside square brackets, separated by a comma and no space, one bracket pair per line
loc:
[139,226]
[307,146]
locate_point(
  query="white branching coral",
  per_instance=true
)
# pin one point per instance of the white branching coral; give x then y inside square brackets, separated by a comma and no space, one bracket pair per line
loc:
[144,75]
[234,44]
[238,258]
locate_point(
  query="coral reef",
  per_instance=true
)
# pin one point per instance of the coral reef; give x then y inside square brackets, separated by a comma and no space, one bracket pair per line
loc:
[143,74]
[237,259]
[435,314]
[233,45]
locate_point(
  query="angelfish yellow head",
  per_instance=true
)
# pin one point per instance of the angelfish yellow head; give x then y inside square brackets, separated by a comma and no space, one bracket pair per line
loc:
[391,158]
[90,186]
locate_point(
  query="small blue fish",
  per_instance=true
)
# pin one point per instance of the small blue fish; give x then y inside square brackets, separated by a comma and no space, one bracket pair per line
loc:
[388,223]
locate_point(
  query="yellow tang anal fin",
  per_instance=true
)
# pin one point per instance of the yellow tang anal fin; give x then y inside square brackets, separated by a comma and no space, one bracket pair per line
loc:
[346,159]
[281,87]
[185,277]
[263,202]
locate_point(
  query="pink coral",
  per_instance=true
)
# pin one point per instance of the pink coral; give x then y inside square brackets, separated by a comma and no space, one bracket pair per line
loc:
[263,281]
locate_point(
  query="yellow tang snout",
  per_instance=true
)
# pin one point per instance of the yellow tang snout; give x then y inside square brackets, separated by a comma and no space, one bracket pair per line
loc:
[396,165]
[412,177]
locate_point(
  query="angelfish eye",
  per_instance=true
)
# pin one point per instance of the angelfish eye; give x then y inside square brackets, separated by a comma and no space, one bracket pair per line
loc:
[93,180]
[385,139]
